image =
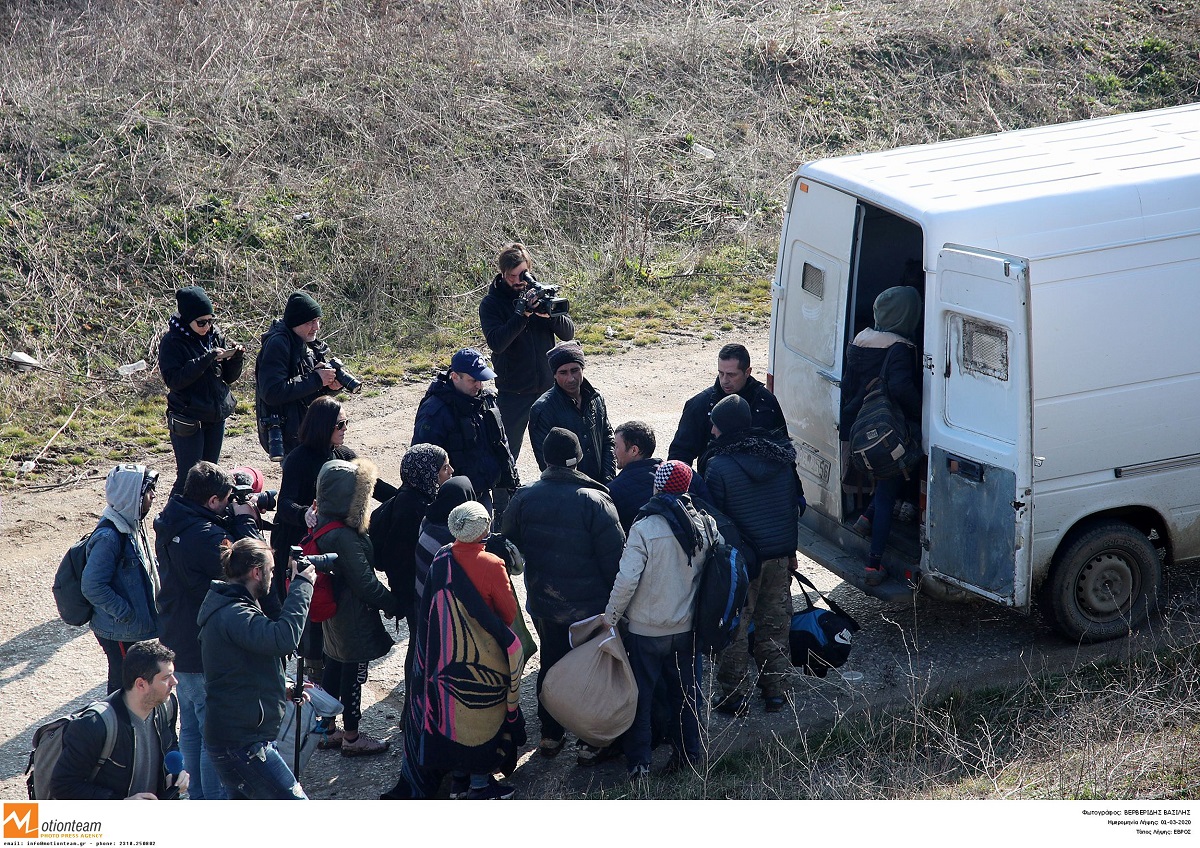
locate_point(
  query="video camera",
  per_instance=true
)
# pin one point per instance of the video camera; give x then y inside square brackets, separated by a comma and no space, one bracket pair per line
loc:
[349,382]
[264,501]
[321,562]
[539,297]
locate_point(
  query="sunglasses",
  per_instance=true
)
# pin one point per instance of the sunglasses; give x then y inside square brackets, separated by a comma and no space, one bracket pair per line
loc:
[341,425]
[203,322]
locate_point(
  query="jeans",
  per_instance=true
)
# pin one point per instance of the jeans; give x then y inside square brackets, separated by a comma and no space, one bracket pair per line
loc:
[204,444]
[256,773]
[514,415]
[206,783]
[671,659]
[879,512]
[555,641]
[114,652]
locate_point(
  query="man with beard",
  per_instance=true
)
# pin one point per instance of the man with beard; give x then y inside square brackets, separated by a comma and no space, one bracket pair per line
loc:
[519,339]
[243,653]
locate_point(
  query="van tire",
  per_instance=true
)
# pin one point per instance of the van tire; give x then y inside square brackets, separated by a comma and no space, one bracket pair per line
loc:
[1103,583]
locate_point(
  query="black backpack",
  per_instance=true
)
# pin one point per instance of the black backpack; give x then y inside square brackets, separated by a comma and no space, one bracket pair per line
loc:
[721,596]
[73,607]
[820,639]
[48,742]
[881,442]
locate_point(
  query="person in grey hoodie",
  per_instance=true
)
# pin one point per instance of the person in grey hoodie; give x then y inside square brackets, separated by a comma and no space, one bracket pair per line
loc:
[121,575]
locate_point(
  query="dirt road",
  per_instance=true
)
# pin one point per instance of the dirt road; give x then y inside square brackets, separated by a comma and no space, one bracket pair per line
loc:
[48,668]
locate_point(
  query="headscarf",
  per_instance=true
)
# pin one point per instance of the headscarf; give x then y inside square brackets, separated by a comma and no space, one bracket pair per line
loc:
[420,466]
[455,491]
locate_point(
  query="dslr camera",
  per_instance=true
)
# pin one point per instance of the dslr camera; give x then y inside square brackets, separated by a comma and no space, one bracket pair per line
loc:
[264,501]
[321,562]
[349,382]
[539,297]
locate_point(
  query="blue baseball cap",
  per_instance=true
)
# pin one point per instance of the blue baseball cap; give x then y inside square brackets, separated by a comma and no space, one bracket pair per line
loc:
[471,362]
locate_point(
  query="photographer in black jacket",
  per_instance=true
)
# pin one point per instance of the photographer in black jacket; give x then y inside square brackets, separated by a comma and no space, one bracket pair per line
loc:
[519,338]
[197,366]
[289,374]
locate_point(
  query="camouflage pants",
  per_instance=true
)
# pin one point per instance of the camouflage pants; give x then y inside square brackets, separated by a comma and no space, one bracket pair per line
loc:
[769,606]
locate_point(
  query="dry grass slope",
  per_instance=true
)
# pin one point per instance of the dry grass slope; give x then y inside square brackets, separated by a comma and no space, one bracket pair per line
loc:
[378,153]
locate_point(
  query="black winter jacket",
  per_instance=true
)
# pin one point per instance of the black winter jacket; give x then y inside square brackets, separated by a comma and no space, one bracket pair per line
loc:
[395,528]
[589,422]
[197,384]
[633,488]
[566,526]
[83,742]
[244,654]
[286,382]
[864,364]
[470,431]
[519,344]
[752,479]
[695,427]
[187,542]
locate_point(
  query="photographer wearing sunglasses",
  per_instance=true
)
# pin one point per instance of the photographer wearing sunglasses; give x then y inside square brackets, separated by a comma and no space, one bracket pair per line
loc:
[198,366]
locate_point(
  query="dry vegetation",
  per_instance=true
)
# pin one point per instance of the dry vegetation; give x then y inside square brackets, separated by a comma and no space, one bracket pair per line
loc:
[379,152]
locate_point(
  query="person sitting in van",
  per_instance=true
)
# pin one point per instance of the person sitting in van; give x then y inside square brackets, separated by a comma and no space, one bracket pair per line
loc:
[897,313]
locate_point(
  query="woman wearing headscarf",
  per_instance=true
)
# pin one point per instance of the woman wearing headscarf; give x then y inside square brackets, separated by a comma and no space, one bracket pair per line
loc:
[435,534]
[396,525]
[886,351]
[198,367]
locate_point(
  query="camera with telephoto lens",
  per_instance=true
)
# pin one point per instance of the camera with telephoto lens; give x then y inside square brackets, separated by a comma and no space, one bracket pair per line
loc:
[539,297]
[349,382]
[273,424]
[321,562]
[264,501]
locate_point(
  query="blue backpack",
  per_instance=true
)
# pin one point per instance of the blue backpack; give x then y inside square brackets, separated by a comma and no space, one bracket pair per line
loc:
[721,596]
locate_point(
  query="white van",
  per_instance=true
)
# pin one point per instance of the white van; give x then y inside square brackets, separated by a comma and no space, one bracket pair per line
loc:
[1060,349]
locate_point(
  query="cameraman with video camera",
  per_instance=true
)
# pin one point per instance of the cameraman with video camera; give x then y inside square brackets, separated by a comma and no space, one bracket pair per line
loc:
[189,535]
[294,368]
[520,319]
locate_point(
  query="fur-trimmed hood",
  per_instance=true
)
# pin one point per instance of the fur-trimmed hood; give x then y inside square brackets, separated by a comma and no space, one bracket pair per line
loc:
[753,442]
[344,493]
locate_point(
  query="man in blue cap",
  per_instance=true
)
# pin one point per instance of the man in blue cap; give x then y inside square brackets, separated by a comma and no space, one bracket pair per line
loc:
[460,415]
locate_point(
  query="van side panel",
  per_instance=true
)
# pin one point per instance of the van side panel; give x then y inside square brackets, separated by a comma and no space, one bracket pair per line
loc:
[1116,347]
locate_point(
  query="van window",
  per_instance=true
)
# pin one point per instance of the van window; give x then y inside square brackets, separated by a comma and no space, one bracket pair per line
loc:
[984,348]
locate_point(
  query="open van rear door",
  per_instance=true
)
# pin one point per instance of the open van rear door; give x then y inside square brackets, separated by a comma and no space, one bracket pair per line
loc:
[980,425]
[816,255]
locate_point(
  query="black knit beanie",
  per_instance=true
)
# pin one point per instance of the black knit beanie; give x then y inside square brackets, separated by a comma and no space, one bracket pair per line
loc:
[731,414]
[300,309]
[193,303]
[562,448]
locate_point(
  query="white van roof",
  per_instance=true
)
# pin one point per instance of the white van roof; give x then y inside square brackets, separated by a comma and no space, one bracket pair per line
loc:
[1044,190]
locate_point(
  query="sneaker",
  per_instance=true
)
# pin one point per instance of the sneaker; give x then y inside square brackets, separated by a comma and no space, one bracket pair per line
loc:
[774,703]
[459,786]
[363,746]
[862,526]
[639,774]
[589,755]
[494,791]
[732,704]
[873,575]
[549,748]
[330,740]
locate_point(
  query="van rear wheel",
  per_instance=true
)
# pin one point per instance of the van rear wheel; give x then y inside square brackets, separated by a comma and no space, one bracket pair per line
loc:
[1104,583]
